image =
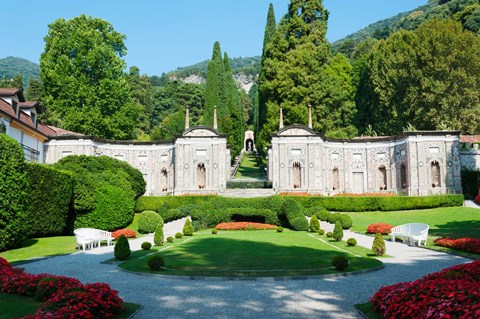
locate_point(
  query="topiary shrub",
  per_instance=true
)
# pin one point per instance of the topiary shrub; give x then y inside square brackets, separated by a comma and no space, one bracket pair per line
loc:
[148,221]
[170,239]
[322,213]
[346,221]
[158,237]
[333,218]
[340,262]
[146,245]
[329,234]
[338,231]
[13,193]
[155,263]
[378,246]
[214,231]
[314,226]
[178,235]
[293,212]
[188,228]
[322,232]
[351,242]
[279,229]
[122,248]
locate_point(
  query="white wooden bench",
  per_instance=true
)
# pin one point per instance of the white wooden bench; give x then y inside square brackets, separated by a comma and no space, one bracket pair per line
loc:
[411,233]
[89,237]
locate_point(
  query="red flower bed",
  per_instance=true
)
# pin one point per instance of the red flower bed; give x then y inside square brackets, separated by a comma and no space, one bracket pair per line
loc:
[244,226]
[125,232]
[380,228]
[64,297]
[450,293]
[298,194]
[468,244]
[365,194]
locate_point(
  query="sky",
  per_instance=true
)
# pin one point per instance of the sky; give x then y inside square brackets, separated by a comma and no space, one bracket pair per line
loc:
[162,35]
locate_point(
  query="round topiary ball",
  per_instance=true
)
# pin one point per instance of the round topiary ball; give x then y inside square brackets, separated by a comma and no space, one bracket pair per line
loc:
[170,239]
[340,262]
[146,245]
[148,221]
[155,263]
[321,232]
[279,229]
[214,231]
[178,235]
[330,234]
[352,242]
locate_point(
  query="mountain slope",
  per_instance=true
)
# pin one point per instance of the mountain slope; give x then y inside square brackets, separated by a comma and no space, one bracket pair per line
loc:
[11,66]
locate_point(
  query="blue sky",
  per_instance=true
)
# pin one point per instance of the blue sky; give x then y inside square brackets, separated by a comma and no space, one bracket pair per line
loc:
[164,34]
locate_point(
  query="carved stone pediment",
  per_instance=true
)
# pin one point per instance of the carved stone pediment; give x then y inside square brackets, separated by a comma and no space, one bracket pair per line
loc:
[200,131]
[296,130]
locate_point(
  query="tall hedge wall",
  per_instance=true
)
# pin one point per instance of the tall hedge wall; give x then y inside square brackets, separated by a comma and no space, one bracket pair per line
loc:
[13,193]
[50,195]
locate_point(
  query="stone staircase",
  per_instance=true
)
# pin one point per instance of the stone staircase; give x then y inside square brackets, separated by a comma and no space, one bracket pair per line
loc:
[248,193]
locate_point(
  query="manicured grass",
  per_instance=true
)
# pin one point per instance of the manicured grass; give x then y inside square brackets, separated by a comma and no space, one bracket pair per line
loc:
[452,222]
[251,253]
[366,309]
[134,225]
[249,167]
[40,247]
[13,306]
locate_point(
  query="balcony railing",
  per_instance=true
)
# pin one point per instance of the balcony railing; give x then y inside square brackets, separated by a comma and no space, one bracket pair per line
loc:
[31,155]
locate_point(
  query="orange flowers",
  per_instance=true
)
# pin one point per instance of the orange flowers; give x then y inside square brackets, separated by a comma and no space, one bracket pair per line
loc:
[244,226]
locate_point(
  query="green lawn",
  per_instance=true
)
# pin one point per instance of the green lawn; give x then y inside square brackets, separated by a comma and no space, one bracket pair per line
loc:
[252,253]
[366,309]
[13,306]
[249,167]
[40,247]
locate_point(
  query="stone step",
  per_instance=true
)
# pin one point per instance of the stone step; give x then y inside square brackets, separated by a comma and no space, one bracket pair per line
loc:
[248,193]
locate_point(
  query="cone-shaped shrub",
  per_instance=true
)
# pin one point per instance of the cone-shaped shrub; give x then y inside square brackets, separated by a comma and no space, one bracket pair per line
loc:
[188,228]
[122,248]
[314,224]
[378,246]
[159,238]
[338,231]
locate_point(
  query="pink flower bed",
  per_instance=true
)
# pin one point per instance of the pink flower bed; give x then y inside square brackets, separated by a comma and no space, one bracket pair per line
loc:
[125,232]
[467,244]
[63,297]
[244,226]
[450,293]
[380,228]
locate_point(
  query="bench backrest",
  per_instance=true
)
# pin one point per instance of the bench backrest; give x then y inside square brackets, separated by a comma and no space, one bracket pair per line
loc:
[92,233]
[412,228]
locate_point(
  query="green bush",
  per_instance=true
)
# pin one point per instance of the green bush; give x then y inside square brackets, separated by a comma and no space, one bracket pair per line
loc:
[333,218]
[351,242]
[314,226]
[155,263]
[171,214]
[48,217]
[13,193]
[170,239]
[293,212]
[188,228]
[346,221]
[322,232]
[148,221]
[253,214]
[279,229]
[338,231]
[158,237]
[340,262]
[246,184]
[146,245]
[178,235]
[104,191]
[329,234]
[379,248]
[470,183]
[214,231]
[122,248]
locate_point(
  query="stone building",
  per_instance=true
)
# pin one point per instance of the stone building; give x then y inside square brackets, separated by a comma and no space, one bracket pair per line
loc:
[415,163]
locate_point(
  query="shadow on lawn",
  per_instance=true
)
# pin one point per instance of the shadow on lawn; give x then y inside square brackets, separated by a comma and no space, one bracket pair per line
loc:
[457,229]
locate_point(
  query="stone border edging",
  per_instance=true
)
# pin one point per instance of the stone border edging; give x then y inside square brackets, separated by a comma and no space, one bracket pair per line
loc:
[267,279]
[136,311]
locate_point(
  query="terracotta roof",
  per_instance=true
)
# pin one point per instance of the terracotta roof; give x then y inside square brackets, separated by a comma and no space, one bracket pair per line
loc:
[12,92]
[61,132]
[45,129]
[28,104]
[470,139]
[7,108]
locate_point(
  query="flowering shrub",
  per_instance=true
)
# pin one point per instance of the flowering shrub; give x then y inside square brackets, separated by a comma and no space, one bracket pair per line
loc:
[125,232]
[379,228]
[64,297]
[450,293]
[298,194]
[468,244]
[244,226]
[365,194]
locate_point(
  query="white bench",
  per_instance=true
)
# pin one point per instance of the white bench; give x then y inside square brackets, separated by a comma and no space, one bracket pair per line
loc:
[411,233]
[89,237]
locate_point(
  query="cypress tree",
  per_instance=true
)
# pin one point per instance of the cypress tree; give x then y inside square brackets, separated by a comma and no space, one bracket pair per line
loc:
[215,88]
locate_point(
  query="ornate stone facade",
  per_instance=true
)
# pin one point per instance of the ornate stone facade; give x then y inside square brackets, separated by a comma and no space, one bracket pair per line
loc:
[416,163]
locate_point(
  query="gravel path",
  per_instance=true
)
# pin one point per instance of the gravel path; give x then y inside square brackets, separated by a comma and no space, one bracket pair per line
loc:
[328,297]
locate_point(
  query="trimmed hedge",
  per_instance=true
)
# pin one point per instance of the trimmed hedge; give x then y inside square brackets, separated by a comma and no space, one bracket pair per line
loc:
[294,214]
[13,193]
[380,203]
[50,195]
[470,183]
[266,216]
[248,184]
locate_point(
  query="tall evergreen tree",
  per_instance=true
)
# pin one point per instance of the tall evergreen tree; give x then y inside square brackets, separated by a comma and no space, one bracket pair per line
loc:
[299,69]
[215,88]
[261,109]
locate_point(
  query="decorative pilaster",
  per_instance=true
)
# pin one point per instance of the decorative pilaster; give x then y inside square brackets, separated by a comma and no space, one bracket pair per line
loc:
[215,117]
[281,119]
